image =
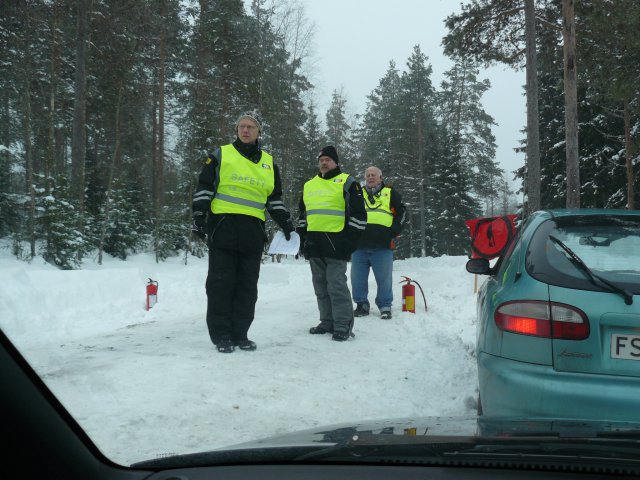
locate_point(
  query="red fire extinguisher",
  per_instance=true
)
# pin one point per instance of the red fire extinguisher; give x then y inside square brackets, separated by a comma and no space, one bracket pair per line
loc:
[409,295]
[152,293]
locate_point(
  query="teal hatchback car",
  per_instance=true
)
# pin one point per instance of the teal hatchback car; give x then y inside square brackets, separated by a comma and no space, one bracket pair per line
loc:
[559,319]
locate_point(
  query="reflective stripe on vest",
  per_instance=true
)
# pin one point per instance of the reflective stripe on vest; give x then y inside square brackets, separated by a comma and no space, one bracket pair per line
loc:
[324,201]
[379,211]
[243,186]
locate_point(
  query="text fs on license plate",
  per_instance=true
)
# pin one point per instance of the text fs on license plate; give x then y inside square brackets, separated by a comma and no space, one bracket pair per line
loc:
[625,346]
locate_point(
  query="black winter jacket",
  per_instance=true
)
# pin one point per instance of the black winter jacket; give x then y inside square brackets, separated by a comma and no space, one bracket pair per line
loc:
[242,233]
[379,236]
[339,245]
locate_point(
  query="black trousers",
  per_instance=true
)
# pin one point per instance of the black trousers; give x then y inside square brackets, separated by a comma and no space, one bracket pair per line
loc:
[232,292]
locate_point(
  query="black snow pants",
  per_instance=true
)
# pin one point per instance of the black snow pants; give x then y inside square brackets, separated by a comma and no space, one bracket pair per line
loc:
[235,255]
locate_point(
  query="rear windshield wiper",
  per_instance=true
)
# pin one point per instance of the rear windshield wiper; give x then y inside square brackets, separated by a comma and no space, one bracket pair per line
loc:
[595,278]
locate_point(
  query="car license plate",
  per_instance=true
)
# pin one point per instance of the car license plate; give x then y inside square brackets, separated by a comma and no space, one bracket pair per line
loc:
[625,346]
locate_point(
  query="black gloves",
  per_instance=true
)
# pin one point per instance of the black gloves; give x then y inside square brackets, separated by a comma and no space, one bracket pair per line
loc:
[198,226]
[302,232]
[287,229]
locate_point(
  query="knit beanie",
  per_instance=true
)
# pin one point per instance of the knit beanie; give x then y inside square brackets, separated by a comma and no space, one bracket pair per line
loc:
[252,115]
[329,151]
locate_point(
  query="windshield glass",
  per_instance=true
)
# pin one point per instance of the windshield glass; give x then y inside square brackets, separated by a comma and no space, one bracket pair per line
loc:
[224,221]
[609,247]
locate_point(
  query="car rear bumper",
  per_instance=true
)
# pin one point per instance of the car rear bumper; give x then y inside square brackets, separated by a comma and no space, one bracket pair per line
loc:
[509,388]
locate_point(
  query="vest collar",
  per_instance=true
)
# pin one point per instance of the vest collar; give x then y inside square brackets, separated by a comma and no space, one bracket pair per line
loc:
[331,173]
[248,150]
[372,192]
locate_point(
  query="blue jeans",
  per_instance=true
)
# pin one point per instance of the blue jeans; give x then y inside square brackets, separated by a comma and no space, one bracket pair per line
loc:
[380,260]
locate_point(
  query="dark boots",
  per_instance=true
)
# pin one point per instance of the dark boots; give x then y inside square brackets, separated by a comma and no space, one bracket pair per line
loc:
[362,310]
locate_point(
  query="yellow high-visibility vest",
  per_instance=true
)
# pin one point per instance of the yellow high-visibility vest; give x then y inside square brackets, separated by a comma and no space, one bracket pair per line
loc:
[324,201]
[379,211]
[243,186]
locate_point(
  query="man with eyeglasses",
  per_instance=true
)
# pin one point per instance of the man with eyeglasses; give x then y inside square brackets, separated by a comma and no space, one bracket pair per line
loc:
[385,215]
[238,182]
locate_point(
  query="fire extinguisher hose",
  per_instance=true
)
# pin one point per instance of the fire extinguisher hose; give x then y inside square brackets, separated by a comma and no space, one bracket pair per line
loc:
[423,297]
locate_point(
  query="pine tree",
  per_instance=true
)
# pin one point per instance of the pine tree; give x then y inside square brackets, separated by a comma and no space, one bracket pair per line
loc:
[451,203]
[172,236]
[609,60]
[59,220]
[507,202]
[419,143]
[306,165]
[277,84]
[314,141]
[504,31]
[601,134]
[469,127]
[218,72]
[338,131]
[128,228]
[382,131]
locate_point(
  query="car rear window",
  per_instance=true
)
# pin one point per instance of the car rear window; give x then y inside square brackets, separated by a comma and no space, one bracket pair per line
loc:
[609,245]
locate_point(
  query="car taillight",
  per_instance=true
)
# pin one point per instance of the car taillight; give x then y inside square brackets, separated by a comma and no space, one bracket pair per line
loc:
[542,319]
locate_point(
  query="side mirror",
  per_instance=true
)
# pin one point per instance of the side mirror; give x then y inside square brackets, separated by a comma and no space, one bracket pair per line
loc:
[479,266]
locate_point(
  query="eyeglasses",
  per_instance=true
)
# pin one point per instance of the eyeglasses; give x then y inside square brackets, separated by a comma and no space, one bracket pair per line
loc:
[249,127]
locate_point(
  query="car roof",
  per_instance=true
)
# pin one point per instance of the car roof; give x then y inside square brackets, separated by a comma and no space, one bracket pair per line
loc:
[542,215]
[564,212]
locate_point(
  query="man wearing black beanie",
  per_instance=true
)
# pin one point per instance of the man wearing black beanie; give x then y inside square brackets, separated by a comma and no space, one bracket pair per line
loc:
[329,151]
[332,218]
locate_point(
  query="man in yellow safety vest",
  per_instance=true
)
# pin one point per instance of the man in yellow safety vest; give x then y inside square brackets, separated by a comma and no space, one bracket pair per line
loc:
[238,182]
[385,216]
[332,218]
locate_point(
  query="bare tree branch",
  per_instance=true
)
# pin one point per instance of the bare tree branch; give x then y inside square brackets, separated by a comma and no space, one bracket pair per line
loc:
[549,24]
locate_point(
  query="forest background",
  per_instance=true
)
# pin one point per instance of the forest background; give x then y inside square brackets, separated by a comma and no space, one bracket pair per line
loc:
[108,108]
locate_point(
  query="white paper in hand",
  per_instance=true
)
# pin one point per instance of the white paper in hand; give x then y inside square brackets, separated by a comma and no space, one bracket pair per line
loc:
[280,245]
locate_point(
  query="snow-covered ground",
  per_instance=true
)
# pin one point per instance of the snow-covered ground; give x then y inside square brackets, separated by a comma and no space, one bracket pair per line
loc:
[145,384]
